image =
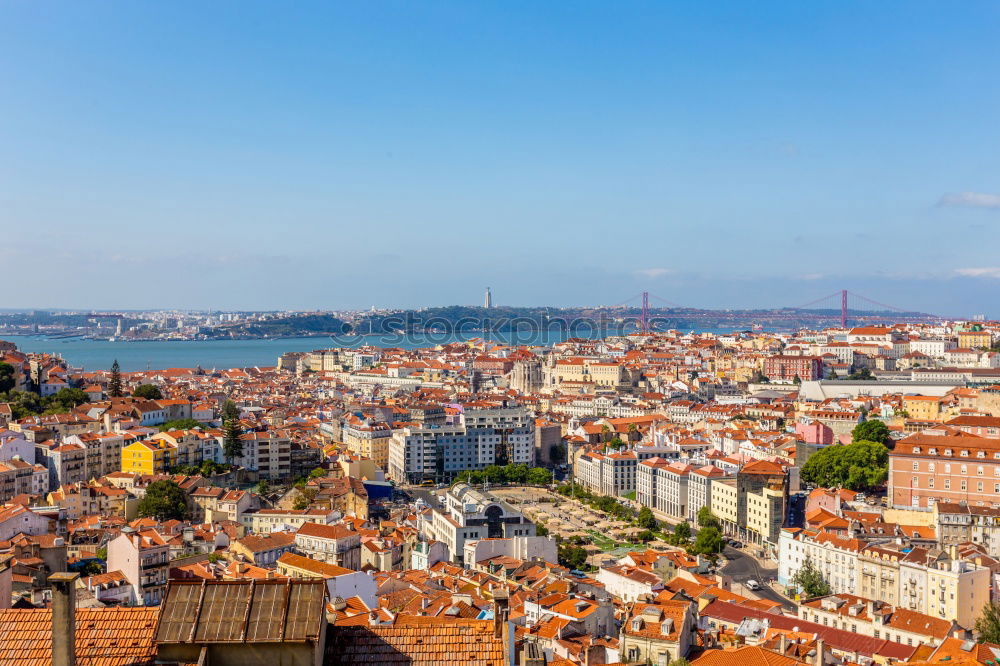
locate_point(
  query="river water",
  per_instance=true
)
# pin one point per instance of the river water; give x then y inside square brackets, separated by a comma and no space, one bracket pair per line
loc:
[142,355]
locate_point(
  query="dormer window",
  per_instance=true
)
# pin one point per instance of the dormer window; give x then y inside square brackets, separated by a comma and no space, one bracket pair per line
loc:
[667,627]
[981,454]
[947,452]
[916,449]
[933,452]
[965,454]
[637,624]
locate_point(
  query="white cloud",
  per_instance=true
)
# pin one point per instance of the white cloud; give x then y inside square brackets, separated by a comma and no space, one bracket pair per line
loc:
[993,272]
[971,200]
[651,273]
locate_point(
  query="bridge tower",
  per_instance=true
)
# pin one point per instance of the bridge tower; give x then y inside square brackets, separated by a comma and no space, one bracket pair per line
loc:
[843,308]
[644,322]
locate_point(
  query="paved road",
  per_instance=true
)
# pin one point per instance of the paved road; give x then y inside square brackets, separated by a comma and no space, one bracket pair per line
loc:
[428,495]
[742,568]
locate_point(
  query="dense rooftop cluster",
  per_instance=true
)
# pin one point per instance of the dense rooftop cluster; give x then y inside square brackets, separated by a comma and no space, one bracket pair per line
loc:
[812,497]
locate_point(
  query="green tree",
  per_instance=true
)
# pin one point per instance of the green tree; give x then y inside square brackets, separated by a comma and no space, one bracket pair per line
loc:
[230,412]
[810,580]
[7,378]
[988,623]
[708,519]
[871,431]
[643,536]
[115,389]
[541,530]
[708,542]
[646,519]
[516,473]
[682,532]
[147,391]
[91,569]
[232,445]
[861,465]
[833,374]
[68,398]
[164,500]
[572,556]
[317,473]
[263,487]
[864,374]
[210,467]
[539,476]
[796,380]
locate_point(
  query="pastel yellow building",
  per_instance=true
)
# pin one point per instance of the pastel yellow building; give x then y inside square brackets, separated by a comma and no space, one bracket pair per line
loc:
[974,339]
[922,407]
[149,457]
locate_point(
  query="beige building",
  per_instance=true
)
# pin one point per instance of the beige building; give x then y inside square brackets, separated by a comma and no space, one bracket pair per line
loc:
[369,440]
[876,619]
[658,633]
[725,503]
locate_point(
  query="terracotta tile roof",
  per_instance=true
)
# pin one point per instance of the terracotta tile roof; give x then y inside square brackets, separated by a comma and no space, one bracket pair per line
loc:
[417,641]
[256,543]
[751,655]
[104,636]
[321,569]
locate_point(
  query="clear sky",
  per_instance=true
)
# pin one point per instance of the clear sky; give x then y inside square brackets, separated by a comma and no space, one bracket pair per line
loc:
[330,155]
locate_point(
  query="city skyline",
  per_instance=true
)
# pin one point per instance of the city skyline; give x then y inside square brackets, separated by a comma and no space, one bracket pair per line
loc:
[337,156]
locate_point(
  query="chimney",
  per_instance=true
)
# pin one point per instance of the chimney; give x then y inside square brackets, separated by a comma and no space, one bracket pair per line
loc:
[63,618]
[820,647]
[500,602]
[782,643]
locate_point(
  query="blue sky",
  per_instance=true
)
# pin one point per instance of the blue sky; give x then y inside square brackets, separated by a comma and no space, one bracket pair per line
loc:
[327,155]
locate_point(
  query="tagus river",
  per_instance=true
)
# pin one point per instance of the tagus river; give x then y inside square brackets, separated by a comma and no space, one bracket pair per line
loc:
[132,356]
[156,355]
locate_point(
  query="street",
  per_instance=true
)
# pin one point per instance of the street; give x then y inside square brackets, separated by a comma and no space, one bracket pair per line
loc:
[742,567]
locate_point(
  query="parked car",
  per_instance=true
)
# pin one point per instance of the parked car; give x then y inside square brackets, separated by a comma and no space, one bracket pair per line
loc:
[751,584]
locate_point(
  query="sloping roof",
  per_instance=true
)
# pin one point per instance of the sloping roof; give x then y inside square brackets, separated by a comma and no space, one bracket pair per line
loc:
[251,611]
[417,641]
[104,636]
[323,569]
[751,655]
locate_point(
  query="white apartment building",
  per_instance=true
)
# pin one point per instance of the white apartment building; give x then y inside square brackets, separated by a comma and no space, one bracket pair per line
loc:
[933,347]
[483,437]
[672,489]
[700,489]
[646,481]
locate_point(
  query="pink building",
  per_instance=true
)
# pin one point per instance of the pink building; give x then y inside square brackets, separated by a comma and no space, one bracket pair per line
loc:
[814,433]
[944,468]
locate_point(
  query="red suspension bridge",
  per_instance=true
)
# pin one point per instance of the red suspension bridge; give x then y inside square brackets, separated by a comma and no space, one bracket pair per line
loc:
[841,307]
